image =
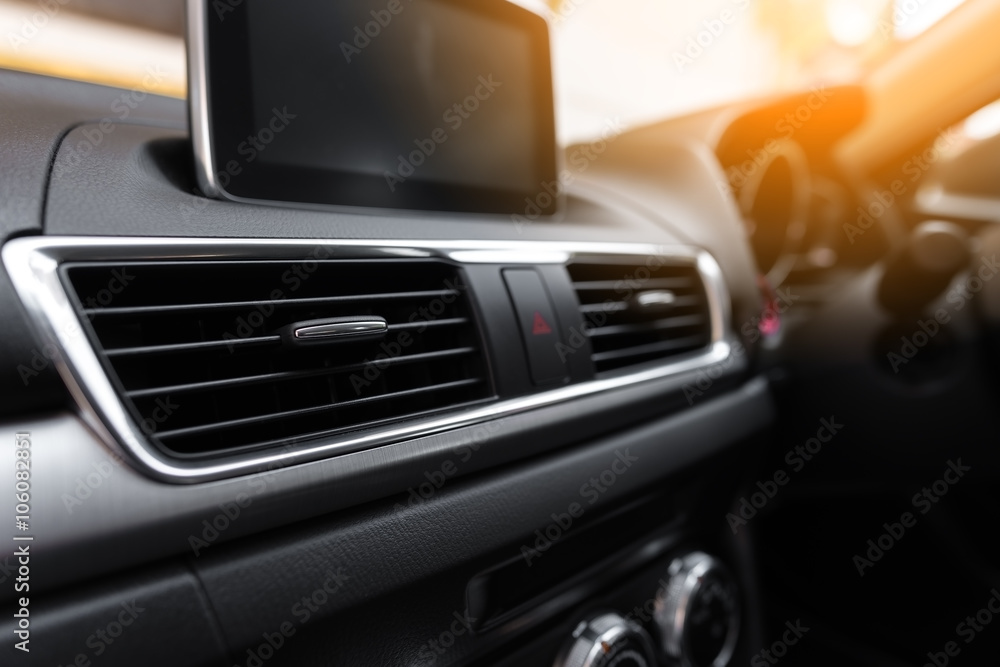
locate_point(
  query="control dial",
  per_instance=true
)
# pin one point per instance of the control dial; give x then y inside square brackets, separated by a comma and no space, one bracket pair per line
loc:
[698,613]
[607,640]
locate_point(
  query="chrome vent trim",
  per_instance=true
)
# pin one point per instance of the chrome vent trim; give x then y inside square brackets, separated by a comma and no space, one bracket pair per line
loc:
[216,357]
[33,264]
[640,312]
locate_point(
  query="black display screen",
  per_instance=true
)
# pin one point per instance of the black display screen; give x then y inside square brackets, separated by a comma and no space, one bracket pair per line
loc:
[440,105]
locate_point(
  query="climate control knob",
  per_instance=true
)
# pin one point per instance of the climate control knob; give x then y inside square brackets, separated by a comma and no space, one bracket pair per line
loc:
[607,640]
[698,613]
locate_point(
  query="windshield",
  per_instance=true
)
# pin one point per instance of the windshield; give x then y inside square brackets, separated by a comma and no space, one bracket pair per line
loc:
[623,61]
[642,60]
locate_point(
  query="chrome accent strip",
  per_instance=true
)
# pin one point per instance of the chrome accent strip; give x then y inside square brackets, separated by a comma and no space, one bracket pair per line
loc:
[33,263]
[717,293]
[607,638]
[655,299]
[198,102]
[344,328]
[673,604]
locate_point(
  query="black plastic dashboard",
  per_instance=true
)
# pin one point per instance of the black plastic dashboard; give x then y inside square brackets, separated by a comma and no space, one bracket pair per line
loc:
[106,188]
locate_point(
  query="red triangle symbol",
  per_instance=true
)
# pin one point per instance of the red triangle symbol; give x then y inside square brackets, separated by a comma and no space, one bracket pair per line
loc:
[540,327]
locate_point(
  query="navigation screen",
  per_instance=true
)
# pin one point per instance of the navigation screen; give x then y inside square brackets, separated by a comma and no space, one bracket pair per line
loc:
[415,104]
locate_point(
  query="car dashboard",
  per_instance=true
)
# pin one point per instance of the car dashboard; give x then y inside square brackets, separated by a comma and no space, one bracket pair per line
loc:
[289,435]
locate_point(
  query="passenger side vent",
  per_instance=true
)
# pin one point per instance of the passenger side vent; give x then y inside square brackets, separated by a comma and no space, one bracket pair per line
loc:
[201,354]
[641,311]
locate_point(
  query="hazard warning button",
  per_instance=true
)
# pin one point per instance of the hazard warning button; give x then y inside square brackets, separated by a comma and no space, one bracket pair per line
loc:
[539,327]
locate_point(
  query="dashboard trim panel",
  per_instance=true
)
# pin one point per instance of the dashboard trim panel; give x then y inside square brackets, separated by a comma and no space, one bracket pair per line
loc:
[33,264]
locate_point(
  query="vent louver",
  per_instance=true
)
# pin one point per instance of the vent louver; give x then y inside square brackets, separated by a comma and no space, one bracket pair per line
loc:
[641,312]
[196,352]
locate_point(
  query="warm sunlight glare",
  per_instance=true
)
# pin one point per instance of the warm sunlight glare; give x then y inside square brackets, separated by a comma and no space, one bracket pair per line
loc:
[985,123]
[913,17]
[851,22]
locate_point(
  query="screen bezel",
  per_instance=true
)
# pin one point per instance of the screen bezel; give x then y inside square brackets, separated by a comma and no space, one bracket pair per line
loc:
[221,114]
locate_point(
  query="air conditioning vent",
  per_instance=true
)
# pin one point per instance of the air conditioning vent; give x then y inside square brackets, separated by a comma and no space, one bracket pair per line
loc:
[641,311]
[197,353]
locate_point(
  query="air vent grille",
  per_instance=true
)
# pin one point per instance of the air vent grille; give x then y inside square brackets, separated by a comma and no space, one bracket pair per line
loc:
[641,311]
[196,353]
